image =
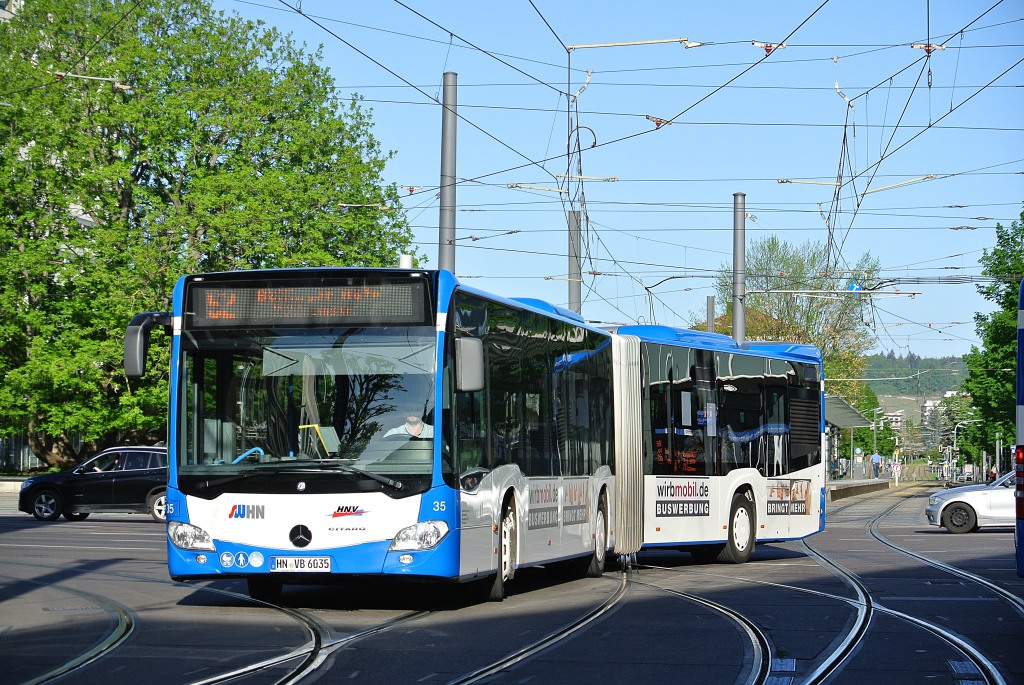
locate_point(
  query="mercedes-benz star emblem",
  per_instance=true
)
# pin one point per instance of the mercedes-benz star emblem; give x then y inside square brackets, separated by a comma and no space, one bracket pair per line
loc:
[300,536]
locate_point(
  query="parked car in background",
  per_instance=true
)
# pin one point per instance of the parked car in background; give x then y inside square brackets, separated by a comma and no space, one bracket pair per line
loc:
[970,507]
[123,480]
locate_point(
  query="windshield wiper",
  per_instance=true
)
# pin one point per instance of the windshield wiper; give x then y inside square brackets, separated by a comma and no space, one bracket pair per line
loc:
[348,468]
[333,464]
[217,482]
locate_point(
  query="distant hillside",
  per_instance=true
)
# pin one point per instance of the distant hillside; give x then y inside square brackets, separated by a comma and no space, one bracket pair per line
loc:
[913,375]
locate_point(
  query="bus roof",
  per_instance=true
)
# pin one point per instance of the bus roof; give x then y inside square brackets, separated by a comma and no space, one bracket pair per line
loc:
[720,342]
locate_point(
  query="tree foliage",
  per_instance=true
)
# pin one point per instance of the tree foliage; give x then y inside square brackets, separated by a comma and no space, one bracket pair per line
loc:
[817,313]
[913,375]
[213,144]
[991,368]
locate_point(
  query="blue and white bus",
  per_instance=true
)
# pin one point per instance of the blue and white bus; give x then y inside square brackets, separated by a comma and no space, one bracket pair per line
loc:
[394,422]
[1018,450]
[731,442]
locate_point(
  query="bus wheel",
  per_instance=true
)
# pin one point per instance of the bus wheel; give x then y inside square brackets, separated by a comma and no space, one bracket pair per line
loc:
[596,566]
[506,556]
[739,544]
[264,589]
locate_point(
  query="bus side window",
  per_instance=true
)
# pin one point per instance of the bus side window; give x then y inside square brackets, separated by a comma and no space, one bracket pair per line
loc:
[741,412]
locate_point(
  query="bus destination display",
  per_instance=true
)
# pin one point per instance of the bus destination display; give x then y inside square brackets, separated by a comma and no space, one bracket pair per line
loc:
[219,305]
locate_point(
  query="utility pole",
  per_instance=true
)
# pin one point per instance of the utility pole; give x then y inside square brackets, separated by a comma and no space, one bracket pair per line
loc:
[739,323]
[446,223]
[575,271]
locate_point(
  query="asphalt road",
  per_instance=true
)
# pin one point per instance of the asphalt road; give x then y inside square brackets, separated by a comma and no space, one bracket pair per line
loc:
[90,602]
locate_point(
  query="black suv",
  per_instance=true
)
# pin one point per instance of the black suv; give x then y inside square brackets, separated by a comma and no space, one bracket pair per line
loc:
[123,480]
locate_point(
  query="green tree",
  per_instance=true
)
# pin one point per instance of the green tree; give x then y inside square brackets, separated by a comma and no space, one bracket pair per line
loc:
[820,311]
[991,369]
[214,143]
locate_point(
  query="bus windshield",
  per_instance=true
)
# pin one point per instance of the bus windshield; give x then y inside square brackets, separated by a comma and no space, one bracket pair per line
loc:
[337,401]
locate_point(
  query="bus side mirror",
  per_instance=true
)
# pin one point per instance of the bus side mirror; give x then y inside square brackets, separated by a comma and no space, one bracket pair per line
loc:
[469,364]
[136,341]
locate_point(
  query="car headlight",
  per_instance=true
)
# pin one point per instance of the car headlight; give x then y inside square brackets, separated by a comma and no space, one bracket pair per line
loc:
[425,535]
[933,500]
[27,483]
[187,536]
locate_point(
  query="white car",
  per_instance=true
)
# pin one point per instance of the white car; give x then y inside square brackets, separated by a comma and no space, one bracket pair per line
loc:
[970,507]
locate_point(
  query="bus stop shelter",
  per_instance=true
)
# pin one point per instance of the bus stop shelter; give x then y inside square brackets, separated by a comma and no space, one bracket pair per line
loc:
[839,414]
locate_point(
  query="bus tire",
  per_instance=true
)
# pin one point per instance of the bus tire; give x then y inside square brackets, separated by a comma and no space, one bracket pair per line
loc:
[264,589]
[739,543]
[597,560]
[506,555]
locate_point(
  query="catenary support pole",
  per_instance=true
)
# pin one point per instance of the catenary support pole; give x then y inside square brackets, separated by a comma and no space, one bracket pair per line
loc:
[446,223]
[575,271]
[738,267]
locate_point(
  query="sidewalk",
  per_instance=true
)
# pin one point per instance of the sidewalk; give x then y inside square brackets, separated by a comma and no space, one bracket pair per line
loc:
[838,489]
[10,484]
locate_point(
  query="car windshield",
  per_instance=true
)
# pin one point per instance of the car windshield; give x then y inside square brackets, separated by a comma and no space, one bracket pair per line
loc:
[340,401]
[1003,479]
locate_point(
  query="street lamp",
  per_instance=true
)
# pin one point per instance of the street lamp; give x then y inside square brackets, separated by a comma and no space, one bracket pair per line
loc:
[956,427]
[961,424]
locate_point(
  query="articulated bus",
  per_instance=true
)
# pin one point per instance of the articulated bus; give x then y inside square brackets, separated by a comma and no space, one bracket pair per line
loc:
[1018,450]
[396,423]
[732,442]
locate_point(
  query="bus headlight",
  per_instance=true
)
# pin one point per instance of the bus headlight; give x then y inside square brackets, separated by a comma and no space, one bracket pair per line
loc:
[187,536]
[423,535]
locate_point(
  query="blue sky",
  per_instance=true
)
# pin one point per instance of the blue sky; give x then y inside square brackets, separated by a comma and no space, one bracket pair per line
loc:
[740,121]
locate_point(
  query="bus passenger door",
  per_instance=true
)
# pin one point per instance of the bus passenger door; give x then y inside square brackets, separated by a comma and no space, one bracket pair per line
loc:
[476,512]
[476,485]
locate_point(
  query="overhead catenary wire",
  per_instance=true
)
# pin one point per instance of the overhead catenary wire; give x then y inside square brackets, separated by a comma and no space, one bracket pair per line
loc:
[530,162]
[594,203]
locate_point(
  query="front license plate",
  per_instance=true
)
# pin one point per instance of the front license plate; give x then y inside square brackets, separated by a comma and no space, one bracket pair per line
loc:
[300,564]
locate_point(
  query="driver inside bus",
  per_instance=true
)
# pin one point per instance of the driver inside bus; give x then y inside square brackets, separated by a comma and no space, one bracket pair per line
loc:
[414,427]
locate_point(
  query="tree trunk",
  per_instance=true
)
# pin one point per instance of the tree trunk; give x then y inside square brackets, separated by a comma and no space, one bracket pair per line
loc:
[54,452]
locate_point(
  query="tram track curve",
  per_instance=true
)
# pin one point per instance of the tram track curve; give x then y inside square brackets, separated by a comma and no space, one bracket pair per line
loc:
[1016,602]
[761,663]
[985,668]
[867,607]
[311,655]
[321,643]
[124,625]
[548,641]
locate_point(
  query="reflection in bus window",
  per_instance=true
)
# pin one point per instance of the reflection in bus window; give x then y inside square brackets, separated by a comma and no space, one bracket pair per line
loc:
[676,442]
[546,402]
